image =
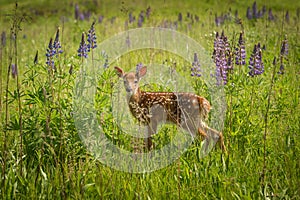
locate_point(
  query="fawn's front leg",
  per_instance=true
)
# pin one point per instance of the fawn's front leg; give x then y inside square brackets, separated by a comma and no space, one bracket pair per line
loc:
[151,130]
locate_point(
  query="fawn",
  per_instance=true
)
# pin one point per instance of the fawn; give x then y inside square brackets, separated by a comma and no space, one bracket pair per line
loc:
[186,110]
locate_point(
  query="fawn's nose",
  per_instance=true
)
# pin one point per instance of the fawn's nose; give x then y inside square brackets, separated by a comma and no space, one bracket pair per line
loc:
[128,90]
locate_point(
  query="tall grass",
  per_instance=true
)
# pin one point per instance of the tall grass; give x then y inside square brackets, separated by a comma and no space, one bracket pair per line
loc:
[43,157]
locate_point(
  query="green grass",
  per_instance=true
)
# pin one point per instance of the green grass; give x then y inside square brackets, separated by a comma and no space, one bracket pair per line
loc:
[46,159]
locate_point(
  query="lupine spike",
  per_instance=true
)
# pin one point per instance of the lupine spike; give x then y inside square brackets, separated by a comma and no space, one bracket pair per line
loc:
[139,66]
[83,49]
[92,38]
[50,53]
[222,58]
[14,70]
[283,54]
[196,70]
[240,53]
[284,47]
[255,62]
[3,38]
[56,44]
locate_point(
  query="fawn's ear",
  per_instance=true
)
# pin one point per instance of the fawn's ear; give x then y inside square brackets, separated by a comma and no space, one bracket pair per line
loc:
[119,71]
[142,71]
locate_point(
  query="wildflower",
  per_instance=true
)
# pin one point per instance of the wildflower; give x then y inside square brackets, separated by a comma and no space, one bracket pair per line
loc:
[287,17]
[56,44]
[180,17]
[139,66]
[254,10]
[249,13]
[81,16]
[196,70]
[131,18]
[14,70]
[240,51]
[255,62]
[76,12]
[148,12]
[271,16]
[264,10]
[50,53]
[283,55]
[105,58]
[141,19]
[83,48]
[100,19]
[3,38]
[222,58]
[92,38]
[284,48]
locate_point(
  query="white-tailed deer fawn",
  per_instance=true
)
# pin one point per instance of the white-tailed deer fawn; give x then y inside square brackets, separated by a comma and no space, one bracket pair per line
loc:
[186,110]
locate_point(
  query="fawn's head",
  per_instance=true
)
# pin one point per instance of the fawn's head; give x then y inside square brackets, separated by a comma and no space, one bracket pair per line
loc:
[131,79]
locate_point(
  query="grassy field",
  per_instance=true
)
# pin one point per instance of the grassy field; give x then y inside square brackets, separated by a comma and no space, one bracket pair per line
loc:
[42,155]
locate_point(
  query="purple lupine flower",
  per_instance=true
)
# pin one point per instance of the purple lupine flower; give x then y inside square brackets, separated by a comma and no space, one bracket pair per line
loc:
[92,38]
[217,20]
[56,44]
[14,70]
[139,66]
[105,58]
[83,48]
[76,12]
[283,54]
[50,52]
[148,12]
[249,13]
[254,10]
[281,69]
[255,62]
[131,18]
[87,14]
[287,16]
[270,15]
[240,51]
[3,38]
[264,10]
[222,58]
[141,19]
[284,47]
[100,19]
[196,70]
[81,16]
[180,17]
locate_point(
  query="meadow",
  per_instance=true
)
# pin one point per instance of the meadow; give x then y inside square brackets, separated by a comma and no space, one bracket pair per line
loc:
[44,48]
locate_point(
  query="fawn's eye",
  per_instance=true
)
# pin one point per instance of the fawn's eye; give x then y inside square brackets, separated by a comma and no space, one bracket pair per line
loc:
[135,81]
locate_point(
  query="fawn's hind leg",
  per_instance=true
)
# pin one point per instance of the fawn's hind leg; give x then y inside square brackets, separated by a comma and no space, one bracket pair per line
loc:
[208,132]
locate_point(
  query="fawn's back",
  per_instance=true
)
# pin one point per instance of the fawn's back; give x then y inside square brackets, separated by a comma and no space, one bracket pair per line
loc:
[174,105]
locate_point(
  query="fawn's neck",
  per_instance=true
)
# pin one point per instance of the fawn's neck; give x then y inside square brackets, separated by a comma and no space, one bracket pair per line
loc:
[135,96]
